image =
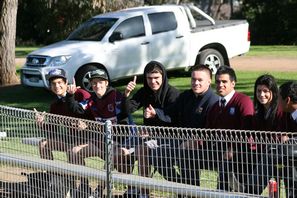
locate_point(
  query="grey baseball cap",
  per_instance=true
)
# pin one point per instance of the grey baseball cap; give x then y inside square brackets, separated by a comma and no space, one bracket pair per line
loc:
[98,73]
[56,73]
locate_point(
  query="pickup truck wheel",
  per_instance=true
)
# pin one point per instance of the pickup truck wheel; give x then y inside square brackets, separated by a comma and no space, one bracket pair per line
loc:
[82,79]
[212,58]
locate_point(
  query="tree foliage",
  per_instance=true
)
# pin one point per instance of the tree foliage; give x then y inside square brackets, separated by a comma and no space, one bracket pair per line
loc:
[47,21]
[44,21]
[271,22]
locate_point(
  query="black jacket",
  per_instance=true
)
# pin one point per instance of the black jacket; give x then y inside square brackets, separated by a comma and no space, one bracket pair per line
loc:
[189,110]
[165,96]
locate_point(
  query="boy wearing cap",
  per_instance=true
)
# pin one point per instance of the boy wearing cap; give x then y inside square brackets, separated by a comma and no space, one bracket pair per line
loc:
[104,104]
[55,140]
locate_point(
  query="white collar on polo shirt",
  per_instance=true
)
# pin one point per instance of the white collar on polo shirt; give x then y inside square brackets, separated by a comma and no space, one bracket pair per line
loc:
[294,115]
[64,95]
[228,97]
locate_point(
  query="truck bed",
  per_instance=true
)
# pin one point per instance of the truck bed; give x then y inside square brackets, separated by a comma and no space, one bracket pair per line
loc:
[204,25]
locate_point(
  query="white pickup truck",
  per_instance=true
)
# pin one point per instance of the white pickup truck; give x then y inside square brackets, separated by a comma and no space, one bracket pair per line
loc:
[123,42]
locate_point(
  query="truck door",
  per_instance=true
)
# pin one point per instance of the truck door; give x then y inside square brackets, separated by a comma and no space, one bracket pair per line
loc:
[129,53]
[168,45]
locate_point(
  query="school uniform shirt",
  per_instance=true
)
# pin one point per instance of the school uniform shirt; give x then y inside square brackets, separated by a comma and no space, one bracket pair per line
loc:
[237,113]
[290,123]
[190,111]
[60,107]
[261,122]
[108,107]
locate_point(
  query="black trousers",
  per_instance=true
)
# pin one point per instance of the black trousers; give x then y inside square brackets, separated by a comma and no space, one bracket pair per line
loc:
[164,161]
[192,161]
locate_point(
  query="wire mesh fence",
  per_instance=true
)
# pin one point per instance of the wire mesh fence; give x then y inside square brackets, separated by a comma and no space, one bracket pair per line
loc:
[46,155]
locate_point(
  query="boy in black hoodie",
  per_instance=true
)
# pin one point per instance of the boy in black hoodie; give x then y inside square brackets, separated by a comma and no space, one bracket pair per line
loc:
[155,93]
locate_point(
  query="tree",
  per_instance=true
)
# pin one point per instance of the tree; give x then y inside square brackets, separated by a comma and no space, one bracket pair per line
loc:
[8,14]
[271,22]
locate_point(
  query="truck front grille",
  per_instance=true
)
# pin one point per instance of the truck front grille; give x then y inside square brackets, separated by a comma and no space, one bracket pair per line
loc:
[37,61]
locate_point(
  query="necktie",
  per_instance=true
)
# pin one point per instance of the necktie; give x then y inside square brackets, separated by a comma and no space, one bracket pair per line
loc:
[223,102]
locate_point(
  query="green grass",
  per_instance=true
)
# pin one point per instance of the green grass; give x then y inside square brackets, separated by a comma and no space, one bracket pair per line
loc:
[22,51]
[255,50]
[29,98]
[274,50]
[39,98]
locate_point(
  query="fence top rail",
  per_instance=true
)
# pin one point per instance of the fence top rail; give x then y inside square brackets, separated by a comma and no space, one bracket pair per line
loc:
[139,130]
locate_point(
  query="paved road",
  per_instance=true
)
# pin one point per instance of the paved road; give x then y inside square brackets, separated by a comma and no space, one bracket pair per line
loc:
[246,63]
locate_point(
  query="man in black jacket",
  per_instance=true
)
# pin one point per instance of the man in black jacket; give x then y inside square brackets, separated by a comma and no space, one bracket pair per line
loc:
[189,111]
[155,93]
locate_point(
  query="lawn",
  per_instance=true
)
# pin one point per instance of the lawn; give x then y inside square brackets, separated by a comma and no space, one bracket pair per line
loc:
[274,50]
[255,50]
[22,51]
[29,98]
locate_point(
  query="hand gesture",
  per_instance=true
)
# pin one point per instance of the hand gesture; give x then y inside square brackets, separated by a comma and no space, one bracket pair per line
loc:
[39,117]
[72,88]
[130,87]
[81,125]
[284,138]
[149,112]
[152,144]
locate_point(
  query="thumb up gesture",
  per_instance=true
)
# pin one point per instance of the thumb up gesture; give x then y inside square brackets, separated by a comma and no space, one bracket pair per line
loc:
[149,112]
[130,87]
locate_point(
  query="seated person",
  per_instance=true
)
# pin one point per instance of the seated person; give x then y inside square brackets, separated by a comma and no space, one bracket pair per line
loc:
[104,104]
[55,139]
[155,93]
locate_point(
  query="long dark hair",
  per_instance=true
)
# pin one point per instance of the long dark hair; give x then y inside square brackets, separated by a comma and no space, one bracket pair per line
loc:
[270,82]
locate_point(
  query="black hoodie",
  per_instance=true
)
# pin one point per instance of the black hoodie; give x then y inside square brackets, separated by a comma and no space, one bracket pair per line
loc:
[144,97]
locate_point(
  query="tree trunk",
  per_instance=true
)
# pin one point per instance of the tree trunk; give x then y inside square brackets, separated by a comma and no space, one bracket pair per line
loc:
[8,14]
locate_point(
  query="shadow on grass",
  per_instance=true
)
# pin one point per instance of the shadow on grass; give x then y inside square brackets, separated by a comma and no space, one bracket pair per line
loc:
[22,53]
[20,96]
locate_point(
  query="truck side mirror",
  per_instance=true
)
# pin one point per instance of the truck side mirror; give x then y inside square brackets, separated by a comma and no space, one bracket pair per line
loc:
[116,36]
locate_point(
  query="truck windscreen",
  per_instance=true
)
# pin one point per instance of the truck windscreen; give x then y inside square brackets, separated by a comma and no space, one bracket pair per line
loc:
[93,29]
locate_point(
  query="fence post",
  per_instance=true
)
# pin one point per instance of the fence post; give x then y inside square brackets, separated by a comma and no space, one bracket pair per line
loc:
[108,157]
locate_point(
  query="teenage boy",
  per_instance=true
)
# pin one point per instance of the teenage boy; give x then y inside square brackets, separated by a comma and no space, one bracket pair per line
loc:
[155,93]
[234,110]
[59,139]
[56,140]
[190,111]
[104,104]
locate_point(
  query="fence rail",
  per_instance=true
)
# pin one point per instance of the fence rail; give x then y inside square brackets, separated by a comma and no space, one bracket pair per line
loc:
[160,161]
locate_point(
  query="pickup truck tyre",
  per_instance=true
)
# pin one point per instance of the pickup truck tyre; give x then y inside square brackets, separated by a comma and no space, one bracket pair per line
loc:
[82,79]
[212,58]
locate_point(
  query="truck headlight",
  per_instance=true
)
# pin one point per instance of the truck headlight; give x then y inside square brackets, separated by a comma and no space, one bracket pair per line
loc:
[59,60]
